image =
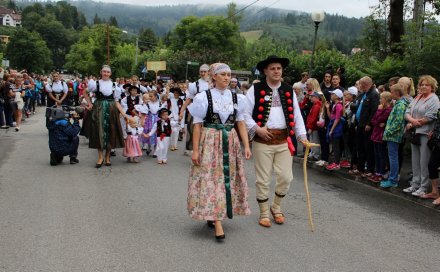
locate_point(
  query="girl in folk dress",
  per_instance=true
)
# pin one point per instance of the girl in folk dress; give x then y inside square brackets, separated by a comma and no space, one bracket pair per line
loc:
[153,106]
[132,149]
[217,185]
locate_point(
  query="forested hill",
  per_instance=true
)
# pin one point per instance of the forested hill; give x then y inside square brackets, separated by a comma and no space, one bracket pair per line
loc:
[287,26]
[291,26]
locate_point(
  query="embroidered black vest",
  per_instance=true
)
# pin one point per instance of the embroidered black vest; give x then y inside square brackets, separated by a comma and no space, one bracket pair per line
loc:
[263,102]
[166,129]
[179,104]
[131,103]
[213,117]
[100,95]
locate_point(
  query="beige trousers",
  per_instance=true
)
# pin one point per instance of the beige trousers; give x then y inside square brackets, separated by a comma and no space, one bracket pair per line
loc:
[268,158]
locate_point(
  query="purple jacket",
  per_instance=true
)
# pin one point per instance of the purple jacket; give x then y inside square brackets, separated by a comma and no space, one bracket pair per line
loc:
[381,116]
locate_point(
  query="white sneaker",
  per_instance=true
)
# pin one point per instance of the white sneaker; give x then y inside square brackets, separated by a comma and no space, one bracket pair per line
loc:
[419,192]
[410,189]
[319,163]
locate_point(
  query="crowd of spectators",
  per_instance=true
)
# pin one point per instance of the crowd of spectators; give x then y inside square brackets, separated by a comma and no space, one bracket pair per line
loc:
[365,128]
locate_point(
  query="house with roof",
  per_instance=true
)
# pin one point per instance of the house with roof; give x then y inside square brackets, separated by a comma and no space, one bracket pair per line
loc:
[9,17]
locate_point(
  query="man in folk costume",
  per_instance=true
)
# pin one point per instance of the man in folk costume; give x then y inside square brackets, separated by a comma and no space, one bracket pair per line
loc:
[272,118]
[194,88]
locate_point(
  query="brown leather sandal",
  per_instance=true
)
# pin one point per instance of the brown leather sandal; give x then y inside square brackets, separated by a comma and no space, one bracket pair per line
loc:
[278,217]
[265,222]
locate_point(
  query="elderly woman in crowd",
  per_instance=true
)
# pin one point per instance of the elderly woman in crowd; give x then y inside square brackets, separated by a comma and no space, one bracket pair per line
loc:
[421,114]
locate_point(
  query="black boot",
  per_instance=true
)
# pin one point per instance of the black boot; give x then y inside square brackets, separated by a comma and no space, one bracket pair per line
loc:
[53,159]
[74,160]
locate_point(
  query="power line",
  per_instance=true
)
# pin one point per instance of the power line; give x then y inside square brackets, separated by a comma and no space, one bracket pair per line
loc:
[242,9]
[267,7]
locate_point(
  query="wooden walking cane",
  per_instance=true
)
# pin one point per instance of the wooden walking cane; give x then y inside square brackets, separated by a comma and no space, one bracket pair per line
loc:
[306,186]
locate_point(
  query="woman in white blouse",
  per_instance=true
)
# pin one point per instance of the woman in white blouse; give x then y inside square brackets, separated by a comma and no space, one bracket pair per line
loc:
[217,185]
[102,125]
[57,90]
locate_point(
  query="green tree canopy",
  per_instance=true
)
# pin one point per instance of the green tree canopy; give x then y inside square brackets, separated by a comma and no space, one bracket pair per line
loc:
[90,52]
[147,39]
[210,39]
[27,50]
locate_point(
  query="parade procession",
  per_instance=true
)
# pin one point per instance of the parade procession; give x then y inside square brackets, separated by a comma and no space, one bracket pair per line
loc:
[242,136]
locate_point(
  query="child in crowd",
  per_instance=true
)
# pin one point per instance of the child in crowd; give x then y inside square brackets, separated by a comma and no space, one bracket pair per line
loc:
[350,155]
[322,132]
[162,129]
[175,104]
[132,149]
[378,123]
[335,128]
[312,124]
[393,134]
[153,106]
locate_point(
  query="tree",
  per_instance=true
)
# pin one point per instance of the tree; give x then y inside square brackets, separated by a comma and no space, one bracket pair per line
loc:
[123,62]
[210,39]
[27,50]
[232,14]
[395,25]
[89,54]
[113,22]
[97,20]
[57,39]
[147,39]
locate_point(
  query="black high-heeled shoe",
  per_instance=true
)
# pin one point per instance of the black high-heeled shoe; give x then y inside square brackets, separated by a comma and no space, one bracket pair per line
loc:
[220,237]
[108,164]
[210,224]
[98,165]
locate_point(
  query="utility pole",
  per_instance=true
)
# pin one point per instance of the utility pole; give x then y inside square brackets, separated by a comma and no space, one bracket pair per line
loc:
[108,45]
[137,50]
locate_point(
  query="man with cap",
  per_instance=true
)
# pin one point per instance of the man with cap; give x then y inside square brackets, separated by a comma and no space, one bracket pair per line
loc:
[194,88]
[273,116]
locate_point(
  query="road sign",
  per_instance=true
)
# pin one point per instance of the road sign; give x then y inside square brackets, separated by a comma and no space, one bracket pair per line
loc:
[192,63]
[156,65]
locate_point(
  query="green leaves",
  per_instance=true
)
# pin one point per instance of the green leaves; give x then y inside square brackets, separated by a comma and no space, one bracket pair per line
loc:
[29,51]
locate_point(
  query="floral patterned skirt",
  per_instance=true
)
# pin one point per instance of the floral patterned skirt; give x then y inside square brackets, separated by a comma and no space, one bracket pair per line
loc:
[206,187]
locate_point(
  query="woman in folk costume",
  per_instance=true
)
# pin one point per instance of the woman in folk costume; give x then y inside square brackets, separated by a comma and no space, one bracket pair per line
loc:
[217,185]
[102,126]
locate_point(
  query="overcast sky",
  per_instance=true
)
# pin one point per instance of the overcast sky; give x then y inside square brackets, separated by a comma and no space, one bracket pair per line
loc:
[349,8]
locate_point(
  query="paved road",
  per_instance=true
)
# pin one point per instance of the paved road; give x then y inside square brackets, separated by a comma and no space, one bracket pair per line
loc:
[132,217]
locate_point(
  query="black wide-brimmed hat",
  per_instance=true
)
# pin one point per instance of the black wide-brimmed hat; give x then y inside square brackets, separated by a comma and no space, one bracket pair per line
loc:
[125,86]
[272,59]
[162,110]
[134,87]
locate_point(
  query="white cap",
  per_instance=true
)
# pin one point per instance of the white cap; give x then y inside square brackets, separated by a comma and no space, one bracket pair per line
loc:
[234,80]
[338,93]
[353,90]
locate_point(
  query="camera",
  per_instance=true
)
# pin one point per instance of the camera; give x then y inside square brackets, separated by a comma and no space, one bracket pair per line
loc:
[64,112]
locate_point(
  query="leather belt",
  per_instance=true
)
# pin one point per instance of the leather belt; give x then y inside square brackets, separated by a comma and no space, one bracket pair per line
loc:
[279,136]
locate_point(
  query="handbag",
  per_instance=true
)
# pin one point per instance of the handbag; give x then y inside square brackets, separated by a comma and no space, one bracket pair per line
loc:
[412,136]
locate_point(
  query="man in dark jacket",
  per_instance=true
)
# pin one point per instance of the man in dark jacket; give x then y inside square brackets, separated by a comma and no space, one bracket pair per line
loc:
[366,107]
[63,138]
